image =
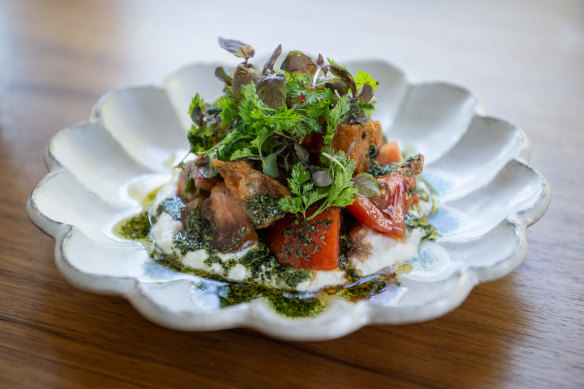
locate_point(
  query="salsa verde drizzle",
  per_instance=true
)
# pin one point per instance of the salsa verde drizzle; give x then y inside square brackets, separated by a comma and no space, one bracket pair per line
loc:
[286,302]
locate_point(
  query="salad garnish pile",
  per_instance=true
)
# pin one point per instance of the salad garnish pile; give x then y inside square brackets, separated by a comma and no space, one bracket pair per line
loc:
[286,175]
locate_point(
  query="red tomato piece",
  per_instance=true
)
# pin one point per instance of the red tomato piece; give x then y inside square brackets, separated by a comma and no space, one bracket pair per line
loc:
[389,153]
[311,244]
[386,213]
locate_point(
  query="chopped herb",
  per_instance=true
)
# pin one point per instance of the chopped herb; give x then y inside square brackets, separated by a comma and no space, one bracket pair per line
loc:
[265,268]
[372,152]
[263,209]
[377,170]
[232,292]
[197,235]
[226,265]
[186,241]
[172,206]
[291,306]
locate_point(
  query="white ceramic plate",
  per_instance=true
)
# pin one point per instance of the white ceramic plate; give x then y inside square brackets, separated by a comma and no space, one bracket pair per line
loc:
[101,168]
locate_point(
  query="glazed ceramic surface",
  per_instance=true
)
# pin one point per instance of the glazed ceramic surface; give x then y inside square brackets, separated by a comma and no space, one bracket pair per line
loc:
[101,169]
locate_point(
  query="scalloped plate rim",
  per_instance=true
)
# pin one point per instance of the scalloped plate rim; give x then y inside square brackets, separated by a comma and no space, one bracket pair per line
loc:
[129,287]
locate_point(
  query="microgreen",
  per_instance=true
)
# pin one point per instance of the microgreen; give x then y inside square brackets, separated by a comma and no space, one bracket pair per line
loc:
[239,49]
[362,78]
[271,90]
[269,65]
[336,116]
[366,185]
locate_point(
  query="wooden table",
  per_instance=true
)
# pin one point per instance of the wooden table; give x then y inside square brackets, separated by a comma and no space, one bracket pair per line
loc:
[523,59]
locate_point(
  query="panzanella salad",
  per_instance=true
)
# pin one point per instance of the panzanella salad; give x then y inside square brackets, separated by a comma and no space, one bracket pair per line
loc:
[290,190]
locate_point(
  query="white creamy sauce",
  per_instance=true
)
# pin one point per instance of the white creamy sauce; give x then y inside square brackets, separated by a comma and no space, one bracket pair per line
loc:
[380,252]
[385,252]
[163,230]
[238,273]
[322,279]
[195,259]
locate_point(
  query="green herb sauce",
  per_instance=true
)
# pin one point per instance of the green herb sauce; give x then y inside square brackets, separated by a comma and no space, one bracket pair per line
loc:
[287,303]
[263,209]
[263,266]
[282,302]
[377,170]
[415,217]
[134,228]
[367,287]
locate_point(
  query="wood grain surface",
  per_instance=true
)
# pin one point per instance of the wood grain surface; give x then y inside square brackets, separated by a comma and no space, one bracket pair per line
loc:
[523,59]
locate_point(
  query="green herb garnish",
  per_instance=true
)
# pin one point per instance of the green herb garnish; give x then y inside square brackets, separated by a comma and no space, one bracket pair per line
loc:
[340,192]
[264,117]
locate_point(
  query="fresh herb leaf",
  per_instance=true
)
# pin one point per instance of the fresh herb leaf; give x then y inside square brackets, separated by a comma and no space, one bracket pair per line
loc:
[257,114]
[269,65]
[366,185]
[345,76]
[299,176]
[366,93]
[245,152]
[337,87]
[228,107]
[196,109]
[305,193]
[334,63]
[320,61]
[270,166]
[336,116]
[271,90]
[296,61]
[221,74]
[340,192]
[362,78]
[322,178]
[239,49]
[241,77]
[301,152]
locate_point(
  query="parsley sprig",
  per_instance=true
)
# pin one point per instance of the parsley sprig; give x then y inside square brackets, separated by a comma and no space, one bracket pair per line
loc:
[340,192]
